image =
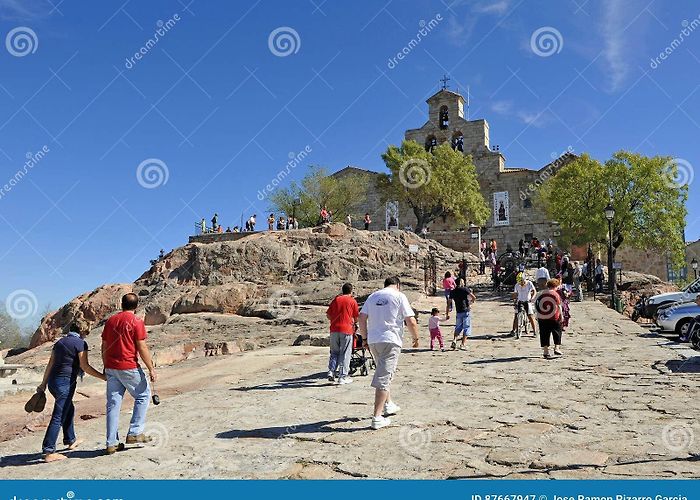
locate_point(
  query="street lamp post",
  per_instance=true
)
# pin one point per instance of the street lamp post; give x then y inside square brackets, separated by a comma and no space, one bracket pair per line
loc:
[610,215]
[694,265]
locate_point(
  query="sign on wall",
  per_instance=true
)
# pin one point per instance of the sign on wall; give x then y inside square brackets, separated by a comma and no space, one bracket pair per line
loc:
[501,209]
[392,214]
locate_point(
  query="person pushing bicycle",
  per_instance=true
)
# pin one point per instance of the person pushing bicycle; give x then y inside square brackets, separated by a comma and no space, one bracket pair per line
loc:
[524,294]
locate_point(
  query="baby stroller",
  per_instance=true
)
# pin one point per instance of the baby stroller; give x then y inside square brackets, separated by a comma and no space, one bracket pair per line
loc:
[361,358]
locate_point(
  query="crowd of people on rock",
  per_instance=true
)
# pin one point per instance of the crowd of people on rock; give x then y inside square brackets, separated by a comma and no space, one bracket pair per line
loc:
[381,320]
[550,262]
[280,223]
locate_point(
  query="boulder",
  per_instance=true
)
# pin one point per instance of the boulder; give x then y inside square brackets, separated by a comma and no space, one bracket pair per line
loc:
[313,340]
[226,299]
[243,276]
[87,310]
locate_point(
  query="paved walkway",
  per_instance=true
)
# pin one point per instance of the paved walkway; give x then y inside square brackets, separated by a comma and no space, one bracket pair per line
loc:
[618,404]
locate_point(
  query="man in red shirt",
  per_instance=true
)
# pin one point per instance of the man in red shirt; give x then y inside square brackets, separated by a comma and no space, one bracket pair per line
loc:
[342,313]
[123,341]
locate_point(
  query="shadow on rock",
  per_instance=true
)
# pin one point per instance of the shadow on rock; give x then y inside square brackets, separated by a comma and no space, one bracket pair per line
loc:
[24,459]
[323,426]
[496,360]
[313,380]
[690,365]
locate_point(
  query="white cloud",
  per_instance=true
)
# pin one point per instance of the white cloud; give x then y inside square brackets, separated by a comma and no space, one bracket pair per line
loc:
[616,16]
[458,33]
[501,107]
[498,7]
[460,28]
[533,119]
[23,9]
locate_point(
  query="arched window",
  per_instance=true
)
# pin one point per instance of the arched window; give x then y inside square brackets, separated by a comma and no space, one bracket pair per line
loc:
[430,143]
[444,117]
[458,141]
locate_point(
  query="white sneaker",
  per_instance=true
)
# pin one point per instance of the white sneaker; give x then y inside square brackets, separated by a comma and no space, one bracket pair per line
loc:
[331,376]
[345,380]
[391,408]
[379,422]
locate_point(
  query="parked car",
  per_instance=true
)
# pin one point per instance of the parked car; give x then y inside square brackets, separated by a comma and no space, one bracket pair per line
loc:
[687,294]
[676,318]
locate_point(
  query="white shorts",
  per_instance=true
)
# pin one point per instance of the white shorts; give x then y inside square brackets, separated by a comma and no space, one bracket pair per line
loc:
[386,357]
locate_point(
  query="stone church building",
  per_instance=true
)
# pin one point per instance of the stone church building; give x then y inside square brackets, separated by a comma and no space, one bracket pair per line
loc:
[509,192]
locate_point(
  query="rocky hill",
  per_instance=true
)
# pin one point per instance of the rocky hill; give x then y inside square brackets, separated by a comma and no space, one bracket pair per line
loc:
[271,275]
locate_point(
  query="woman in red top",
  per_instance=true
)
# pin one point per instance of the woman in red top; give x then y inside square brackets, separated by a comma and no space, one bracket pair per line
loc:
[549,316]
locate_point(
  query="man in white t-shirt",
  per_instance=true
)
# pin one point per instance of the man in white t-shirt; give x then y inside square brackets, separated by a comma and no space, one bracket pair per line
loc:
[524,293]
[381,324]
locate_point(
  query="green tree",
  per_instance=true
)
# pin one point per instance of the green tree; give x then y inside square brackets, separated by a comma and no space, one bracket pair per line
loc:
[434,185]
[318,189]
[649,204]
[10,332]
[575,197]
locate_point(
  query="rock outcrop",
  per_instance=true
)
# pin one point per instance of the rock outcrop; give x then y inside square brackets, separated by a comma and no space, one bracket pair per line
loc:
[86,310]
[263,275]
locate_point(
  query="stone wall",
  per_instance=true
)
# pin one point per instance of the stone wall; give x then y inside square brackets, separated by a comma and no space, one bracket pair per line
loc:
[217,237]
[642,261]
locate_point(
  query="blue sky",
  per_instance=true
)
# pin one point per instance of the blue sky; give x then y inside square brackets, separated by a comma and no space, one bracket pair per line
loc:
[219,107]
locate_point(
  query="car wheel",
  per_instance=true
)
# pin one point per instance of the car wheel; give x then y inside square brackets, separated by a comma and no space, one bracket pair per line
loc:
[682,328]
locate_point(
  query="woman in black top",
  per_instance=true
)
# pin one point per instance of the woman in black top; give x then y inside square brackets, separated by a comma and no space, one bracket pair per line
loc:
[69,359]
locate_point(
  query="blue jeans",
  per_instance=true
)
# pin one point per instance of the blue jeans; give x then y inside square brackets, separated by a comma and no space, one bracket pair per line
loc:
[463,324]
[62,389]
[119,381]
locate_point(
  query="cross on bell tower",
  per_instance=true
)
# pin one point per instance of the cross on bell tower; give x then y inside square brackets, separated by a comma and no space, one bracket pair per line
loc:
[444,81]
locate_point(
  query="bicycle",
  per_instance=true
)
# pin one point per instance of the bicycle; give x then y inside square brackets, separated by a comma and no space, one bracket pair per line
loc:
[522,320]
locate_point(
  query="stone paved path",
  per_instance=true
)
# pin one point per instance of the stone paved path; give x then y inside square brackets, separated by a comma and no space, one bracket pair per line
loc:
[620,403]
